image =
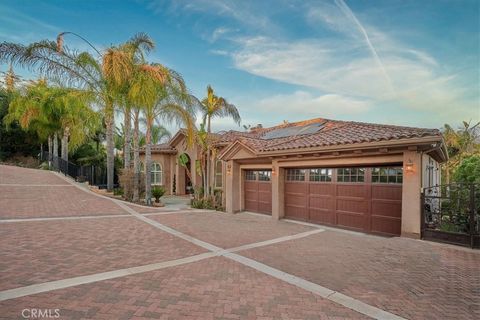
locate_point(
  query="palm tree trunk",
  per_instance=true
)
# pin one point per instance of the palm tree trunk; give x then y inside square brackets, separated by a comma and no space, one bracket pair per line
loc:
[136,157]
[127,131]
[148,162]
[50,150]
[109,121]
[55,151]
[207,191]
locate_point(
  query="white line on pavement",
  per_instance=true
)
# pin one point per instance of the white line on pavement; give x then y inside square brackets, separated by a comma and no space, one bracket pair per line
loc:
[71,282]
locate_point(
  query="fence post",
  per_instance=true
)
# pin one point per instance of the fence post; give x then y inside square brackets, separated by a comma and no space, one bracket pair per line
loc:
[422,212]
[472,213]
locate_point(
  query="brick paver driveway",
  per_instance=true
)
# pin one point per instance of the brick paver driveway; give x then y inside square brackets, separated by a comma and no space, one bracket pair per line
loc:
[62,247]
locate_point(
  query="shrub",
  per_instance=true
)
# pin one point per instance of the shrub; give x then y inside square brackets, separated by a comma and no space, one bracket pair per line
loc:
[118,192]
[468,171]
[158,192]
[211,202]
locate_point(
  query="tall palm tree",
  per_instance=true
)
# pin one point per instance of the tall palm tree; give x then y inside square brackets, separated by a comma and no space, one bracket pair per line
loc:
[162,94]
[104,75]
[213,106]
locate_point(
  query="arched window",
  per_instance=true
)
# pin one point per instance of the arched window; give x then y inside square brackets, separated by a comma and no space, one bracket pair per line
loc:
[157,173]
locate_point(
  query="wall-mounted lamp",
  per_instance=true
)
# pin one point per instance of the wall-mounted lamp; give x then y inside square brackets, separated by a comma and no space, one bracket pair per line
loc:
[273,171]
[409,166]
[229,169]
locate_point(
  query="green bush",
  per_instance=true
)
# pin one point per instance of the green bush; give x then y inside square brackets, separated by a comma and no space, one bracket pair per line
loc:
[158,192]
[118,192]
[468,171]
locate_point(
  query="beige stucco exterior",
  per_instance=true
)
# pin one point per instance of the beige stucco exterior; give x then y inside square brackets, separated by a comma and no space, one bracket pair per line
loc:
[236,158]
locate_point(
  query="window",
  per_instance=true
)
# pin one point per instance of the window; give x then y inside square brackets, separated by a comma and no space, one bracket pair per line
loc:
[321,175]
[351,174]
[250,175]
[387,175]
[296,175]
[264,175]
[157,174]
[218,174]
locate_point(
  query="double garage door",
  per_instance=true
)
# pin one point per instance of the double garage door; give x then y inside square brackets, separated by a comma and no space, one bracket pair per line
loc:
[364,199]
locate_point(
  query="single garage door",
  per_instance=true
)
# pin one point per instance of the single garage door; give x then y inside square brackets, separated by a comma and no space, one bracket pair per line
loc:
[367,199]
[258,191]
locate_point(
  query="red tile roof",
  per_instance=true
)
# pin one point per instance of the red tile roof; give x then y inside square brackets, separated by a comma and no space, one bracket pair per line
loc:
[332,132]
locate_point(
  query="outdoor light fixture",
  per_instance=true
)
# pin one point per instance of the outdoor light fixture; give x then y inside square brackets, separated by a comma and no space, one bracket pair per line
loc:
[273,171]
[229,169]
[409,166]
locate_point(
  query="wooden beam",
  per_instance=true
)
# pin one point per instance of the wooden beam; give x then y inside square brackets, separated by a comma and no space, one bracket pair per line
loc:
[383,150]
[412,148]
[358,151]
[336,153]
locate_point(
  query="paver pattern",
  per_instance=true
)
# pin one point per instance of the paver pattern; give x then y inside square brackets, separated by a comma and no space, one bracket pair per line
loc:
[216,288]
[36,252]
[55,201]
[414,279]
[227,230]
[25,176]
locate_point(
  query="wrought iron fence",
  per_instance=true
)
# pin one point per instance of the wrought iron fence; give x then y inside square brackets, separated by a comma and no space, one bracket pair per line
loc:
[94,175]
[451,214]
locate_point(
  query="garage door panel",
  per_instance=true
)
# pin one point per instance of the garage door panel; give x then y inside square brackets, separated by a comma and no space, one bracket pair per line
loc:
[265,207]
[296,212]
[321,189]
[351,220]
[321,202]
[296,199]
[387,192]
[352,205]
[386,208]
[295,187]
[386,225]
[351,190]
[322,216]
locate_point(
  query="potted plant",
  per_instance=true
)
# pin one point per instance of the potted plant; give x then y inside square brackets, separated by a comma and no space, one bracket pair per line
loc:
[157,193]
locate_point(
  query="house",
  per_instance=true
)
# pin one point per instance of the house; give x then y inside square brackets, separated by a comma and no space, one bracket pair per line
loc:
[360,176]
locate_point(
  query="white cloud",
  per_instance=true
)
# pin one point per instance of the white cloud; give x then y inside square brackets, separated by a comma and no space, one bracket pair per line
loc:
[218,33]
[307,105]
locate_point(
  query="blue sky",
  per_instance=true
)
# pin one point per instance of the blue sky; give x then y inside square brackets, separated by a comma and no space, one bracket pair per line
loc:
[401,62]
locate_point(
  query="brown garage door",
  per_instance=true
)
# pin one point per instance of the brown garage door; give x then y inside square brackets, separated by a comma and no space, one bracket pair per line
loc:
[363,199]
[258,191]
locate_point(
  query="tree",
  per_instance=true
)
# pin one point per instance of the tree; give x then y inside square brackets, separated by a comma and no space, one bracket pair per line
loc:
[104,75]
[13,139]
[461,143]
[468,171]
[159,134]
[163,96]
[52,112]
[213,106]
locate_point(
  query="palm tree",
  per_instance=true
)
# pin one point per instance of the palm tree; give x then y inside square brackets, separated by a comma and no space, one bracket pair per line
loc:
[53,111]
[163,96]
[159,134]
[104,75]
[215,107]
